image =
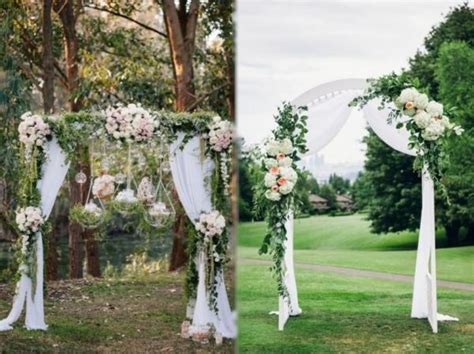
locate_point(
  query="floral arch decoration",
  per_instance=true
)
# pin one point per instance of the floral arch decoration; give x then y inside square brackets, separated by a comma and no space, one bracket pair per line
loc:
[195,147]
[404,118]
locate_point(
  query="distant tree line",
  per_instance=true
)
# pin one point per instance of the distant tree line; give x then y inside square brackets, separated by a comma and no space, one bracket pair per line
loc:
[388,189]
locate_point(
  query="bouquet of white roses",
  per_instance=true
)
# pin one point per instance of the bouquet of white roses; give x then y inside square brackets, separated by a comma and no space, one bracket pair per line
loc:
[130,123]
[427,115]
[281,177]
[33,131]
[29,220]
[220,134]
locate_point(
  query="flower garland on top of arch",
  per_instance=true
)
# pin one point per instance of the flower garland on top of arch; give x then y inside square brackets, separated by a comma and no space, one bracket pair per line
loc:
[275,196]
[426,120]
[131,124]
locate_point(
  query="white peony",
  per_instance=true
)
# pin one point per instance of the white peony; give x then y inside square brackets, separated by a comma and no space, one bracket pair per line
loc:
[434,108]
[421,101]
[422,119]
[408,95]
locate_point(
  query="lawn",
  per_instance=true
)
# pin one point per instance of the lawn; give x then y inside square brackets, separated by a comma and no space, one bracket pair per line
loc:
[116,315]
[346,241]
[344,313]
[347,314]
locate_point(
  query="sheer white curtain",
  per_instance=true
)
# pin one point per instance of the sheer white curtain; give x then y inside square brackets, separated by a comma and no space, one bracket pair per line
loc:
[190,170]
[53,173]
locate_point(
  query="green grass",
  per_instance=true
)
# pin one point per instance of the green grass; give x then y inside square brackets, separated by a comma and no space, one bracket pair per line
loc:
[347,314]
[346,241]
[116,315]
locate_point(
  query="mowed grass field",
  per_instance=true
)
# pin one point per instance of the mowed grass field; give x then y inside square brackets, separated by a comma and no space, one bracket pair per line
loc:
[347,313]
[346,241]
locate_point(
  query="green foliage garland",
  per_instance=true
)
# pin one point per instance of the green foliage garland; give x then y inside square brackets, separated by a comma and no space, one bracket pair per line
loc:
[291,124]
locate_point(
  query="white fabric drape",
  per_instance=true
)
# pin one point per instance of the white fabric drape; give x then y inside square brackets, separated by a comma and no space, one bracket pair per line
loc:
[190,170]
[390,135]
[53,173]
[424,302]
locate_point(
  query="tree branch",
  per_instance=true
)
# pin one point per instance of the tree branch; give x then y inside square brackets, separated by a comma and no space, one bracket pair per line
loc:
[202,98]
[118,14]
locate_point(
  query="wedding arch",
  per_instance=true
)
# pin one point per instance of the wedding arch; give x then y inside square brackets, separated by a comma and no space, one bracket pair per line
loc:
[327,111]
[199,149]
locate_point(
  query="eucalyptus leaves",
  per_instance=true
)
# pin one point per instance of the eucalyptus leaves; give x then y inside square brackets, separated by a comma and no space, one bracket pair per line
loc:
[276,195]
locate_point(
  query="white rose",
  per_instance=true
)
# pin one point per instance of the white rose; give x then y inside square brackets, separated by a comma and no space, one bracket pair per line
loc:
[272,148]
[446,123]
[274,196]
[286,146]
[289,174]
[422,119]
[286,188]
[269,179]
[421,101]
[285,162]
[433,131]
[434,108]
[269,163]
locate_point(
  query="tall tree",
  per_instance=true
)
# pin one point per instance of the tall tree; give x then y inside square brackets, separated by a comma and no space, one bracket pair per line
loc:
[181,23]
[68,13]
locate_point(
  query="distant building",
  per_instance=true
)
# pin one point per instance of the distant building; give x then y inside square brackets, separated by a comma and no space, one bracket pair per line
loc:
[319,203]
[344,202]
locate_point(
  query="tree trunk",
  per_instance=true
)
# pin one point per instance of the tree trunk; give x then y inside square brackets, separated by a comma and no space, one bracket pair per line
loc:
[181,24]
[66,12]
[48,107]
[75,242]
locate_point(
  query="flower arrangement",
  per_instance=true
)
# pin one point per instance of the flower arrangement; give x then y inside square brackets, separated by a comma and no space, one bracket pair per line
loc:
[426,120]
[29,220]
[281,177]
[104,186]
[276,195]
[90,215]
[220,134]
[130,123]
[33,131]
[212,240]
[427,115]
[145,191]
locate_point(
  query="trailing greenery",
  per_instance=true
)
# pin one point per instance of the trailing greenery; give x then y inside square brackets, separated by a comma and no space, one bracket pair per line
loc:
[291,124]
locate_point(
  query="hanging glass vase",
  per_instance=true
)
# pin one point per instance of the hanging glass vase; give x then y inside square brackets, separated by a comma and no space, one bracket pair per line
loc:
[161,212]
[126,202]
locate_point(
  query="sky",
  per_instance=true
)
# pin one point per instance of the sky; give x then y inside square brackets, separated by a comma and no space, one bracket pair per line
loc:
[285,47]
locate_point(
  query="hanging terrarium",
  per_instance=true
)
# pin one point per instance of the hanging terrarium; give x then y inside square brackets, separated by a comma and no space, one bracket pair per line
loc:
[92,214]
[161,212]
[126,202]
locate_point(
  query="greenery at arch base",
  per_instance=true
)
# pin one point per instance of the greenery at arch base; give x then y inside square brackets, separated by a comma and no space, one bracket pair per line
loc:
[76,130]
